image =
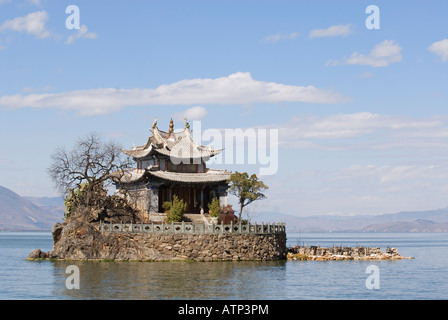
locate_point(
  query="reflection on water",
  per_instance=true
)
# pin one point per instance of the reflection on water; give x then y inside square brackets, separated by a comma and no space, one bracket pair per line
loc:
[425,277]
[172,280]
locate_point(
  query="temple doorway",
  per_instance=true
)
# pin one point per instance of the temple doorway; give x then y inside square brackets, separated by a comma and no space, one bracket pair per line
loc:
[193,196]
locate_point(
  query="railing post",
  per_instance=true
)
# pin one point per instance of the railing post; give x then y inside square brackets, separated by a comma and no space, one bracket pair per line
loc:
[271,228]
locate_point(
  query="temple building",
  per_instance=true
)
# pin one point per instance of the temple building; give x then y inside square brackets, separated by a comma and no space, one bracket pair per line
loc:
[172,163]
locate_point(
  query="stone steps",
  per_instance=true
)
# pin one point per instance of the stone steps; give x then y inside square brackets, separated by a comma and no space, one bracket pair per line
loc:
[195,218]
[188,217]
[157,217]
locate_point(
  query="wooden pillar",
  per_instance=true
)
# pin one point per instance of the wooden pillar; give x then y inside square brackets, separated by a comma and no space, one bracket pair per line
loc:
[202,198]
[189,199]
[194,198]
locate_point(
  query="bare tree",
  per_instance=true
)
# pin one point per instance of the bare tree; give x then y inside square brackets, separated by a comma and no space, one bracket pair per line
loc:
[91,162]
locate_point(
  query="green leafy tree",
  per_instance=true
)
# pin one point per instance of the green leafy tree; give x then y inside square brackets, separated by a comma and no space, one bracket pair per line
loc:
[247,189]
[166,206]
[176,211]
[214,208]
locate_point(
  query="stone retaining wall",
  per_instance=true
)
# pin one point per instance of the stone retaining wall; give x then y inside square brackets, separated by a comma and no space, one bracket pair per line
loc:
[204,247]
[81,241]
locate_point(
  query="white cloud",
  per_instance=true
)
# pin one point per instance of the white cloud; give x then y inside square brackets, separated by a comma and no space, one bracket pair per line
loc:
[362,163]
[277,37]
[364,130]
[382,55]
[440,48]
[407,180]
[387,175]
[81,33]
[237,88]
[194,113]
[364,189]
[397,187]
[333,31]
[33,23]
[360,189]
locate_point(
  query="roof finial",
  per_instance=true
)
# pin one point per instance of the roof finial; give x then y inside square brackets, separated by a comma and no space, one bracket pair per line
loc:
[187,125]
[154,124]
[171,126]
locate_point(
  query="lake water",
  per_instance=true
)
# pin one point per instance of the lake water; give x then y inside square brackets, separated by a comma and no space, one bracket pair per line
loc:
[425,277]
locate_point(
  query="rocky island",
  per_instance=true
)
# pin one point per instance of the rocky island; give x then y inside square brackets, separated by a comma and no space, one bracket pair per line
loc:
[159,209]
[342,253]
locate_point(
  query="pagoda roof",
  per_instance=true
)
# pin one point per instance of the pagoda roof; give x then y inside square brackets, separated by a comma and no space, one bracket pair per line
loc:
[211,176]
[179,145]
[203,177]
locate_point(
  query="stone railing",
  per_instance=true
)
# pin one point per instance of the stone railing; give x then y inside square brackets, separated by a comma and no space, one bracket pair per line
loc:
[269,228]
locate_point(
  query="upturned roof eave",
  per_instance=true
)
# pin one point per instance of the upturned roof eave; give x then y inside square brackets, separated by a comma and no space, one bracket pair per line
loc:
[176,177]
[138,153]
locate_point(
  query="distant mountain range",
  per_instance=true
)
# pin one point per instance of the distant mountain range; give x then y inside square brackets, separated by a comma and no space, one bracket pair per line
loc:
[41,213]
[28,213]
[412,221]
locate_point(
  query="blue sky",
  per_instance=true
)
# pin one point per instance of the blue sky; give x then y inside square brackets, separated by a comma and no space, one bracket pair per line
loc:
[361,114]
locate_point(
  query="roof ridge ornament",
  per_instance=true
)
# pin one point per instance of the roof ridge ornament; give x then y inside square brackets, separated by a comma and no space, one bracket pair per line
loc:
[163,144]
[171,126]
[154,124]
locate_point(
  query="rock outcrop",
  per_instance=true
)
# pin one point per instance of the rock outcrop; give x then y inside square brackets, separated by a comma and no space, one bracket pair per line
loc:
[38,254]
[343,253]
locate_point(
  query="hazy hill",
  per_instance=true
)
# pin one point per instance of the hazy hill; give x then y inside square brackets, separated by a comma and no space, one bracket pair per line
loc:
[55,205]
[419,225]
[18,213]
[417,221]
[31,213]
